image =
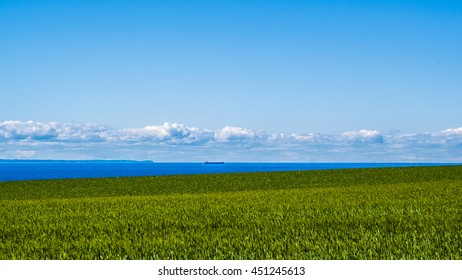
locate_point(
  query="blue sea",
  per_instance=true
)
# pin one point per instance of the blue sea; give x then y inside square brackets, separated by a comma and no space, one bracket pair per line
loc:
[12,170]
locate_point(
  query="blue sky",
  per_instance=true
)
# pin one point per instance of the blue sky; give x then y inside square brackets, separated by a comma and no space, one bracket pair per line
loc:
[234,80]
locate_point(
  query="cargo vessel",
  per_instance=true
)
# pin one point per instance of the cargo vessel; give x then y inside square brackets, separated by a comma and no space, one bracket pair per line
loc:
[213,162]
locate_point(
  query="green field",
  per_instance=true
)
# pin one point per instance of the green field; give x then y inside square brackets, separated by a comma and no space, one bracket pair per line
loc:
[389,213]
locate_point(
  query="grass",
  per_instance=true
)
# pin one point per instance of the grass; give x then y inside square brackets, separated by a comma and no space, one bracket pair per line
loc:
[389,213]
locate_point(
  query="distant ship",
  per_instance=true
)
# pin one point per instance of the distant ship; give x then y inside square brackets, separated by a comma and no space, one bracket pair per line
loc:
[213,162]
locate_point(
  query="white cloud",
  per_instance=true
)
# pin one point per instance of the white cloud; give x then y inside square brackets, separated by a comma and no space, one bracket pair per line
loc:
[178,142]
[276,137]
[303,138]
[52,131]
[314,138]
[363,136]
[82,132]
[28,130]
[453,131]
[229,133]
[171,133]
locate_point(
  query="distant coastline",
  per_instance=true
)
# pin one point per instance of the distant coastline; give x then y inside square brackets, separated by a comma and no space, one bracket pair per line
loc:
[78,160]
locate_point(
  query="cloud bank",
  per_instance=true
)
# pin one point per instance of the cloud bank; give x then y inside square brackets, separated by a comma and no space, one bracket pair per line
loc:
[178,142]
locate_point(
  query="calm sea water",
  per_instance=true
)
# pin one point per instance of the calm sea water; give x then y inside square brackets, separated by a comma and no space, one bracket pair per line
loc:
[11,170]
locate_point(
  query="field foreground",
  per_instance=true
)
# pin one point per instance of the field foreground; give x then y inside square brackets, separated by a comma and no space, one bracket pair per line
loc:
[389,213]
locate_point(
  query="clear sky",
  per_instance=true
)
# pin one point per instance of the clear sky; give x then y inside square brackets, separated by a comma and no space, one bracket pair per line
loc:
[263,67]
